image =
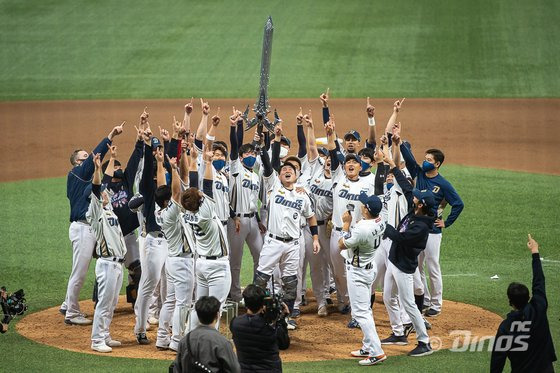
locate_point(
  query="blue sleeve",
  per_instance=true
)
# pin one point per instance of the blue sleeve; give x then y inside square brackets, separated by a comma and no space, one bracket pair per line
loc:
[234,154]
[334,159]
[197,143]
[370,145]
[267,167]
[266,141]
[147,181]
[410,162]
[275,155]
[193,179]
[302,149]
[326,115]
[239,132]
[340,157]
[133,162]
[405,185]
[207,187]
[96,189]
[173,148]
[457,205]
[85,171]
[539,291]
[380,178]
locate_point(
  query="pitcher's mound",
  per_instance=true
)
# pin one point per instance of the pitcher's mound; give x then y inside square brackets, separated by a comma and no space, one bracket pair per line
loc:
[316,338]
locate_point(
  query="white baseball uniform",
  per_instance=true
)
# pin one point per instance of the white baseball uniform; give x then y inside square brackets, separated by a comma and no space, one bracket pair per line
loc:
[361,244]
[244,195]
[111,250]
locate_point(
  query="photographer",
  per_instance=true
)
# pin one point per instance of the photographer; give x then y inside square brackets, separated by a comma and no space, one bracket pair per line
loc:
[258,342]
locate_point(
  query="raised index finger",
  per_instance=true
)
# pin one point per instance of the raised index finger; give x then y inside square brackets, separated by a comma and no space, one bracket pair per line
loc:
[368,101]
[328,91]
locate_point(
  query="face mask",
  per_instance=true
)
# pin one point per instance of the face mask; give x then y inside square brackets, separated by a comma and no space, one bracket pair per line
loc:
[365,166]
[119,174]
[283,152]
[168,178]
[249,161]
[427,166]
[389,186]
[218,164]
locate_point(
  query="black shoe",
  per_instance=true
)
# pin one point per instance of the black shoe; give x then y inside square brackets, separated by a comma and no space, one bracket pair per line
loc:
[432,313]
[142,339]
[421,349]
[303,300]
[295,313]
[332,290]
[346,309]
[329,301]
[353,324]
[408,328]
[395,340]
[427,325]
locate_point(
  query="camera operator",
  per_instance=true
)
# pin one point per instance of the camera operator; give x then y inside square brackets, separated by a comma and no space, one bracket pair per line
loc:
[257,341]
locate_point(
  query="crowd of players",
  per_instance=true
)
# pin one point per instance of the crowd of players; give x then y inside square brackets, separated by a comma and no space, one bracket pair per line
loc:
[198,201]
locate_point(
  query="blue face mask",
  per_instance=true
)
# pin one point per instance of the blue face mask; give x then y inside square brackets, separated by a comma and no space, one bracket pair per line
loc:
[427,166]
[249,161]
[365,166]
[218,164]
[389,186]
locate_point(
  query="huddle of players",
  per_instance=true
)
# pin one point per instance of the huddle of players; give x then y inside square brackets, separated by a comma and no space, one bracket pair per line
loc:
[300,219]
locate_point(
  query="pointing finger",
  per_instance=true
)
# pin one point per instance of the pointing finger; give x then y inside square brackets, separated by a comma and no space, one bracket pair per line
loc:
[328,91]
[402,100]
[368,104]
[201,102]
[218,112]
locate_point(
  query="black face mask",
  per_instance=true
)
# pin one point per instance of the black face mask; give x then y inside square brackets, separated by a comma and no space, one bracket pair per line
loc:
[119,174]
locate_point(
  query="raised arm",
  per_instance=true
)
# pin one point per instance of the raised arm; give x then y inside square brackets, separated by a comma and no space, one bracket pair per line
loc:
[85,171]
[211,135]
[203,125]
[187,117]
[380,172]
[393,118]
[370,110]
[302,143]
[234,153]
[311,140]
[331,144]
[324,97]
[267,166]
[160,168]
[175,180]
[134,160]
[208,180]
[539,290]
[411,165]
[276,147]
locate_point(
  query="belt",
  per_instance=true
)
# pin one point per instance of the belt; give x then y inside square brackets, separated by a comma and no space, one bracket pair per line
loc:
[247,215]
[112,259]
[338,229]
[156,234]
[185,255]
[287,239]
[210,257]
[83,221]
[321,222]
[368,266]
[224,222]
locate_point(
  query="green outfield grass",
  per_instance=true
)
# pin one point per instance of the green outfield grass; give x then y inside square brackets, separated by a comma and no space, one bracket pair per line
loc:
[79,49]
[489,238]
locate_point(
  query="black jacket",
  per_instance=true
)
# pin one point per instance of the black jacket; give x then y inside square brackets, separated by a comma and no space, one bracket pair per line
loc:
[530,330]
[258,343]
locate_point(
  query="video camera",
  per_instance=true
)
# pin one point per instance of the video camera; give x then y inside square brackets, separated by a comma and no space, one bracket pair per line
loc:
[12,305]
[273,303]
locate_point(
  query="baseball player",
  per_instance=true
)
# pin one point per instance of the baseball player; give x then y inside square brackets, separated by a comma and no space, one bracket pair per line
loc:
[347,187]
[428,177]
[358,247]
[180,262]
[80,233]
[244,194]
[286,206]
[408,240]
[111,250]
[213,274]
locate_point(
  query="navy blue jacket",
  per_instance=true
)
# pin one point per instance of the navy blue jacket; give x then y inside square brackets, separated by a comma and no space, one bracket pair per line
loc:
[78,183]
[534,332]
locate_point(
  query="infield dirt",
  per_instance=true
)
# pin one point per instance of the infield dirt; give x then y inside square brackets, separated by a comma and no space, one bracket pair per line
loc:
[513,134]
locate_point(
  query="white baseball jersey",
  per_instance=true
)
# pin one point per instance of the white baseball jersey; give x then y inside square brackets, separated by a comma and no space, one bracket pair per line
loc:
[179,238]
[347,192]
[286,208]
[362,241]
[220,190]
[106,228]
[244,188]
[310,169]
[208,231]
[320,191]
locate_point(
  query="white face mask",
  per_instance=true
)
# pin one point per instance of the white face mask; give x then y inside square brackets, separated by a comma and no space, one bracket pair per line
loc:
[283,152]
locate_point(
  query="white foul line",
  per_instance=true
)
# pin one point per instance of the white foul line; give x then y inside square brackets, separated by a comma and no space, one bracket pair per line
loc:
[461,275]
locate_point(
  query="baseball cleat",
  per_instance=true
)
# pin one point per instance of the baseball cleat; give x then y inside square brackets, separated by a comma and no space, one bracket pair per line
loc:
[395,340]
[353,324]
[142,339]
[329,301]
[372,360]
[427,325]
[295,313]
[421,349]
[345,309]
[113,343]
[62,311]
[432,313]
[359,353]
[163,344]
[304,301]
[101,348]
[78,320]
[408,328]
[322,311]
[153,321]
[332,289]
[174,347]
[292,324]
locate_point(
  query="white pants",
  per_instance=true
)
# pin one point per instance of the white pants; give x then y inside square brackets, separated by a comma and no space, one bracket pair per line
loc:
[109,276]
[83,245]
[249,232]
[428,260]
[284,254]
[317,265]
[397,314]
[339,269]
[155,251]
[381,258]
[213,278]
[405,288]
[132,250]
[360,281]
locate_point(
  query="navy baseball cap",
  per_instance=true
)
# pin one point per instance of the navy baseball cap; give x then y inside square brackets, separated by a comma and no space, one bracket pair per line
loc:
[286,140]
[155,143]
[354,134]
[424,196]
[324,151]
[136,202]
[372,203]
[352,156]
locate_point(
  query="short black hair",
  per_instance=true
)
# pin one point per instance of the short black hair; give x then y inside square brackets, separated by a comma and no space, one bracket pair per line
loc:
[221,143]
[367,152]
[207,309]
[74,157]
[437,154]
[163,193]
[294,159]
[518,295]
[106,163]
[253,296]
[246,148]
